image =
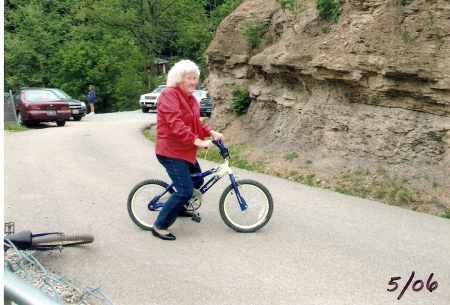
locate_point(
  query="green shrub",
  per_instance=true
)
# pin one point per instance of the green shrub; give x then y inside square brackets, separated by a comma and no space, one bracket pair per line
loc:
[328,9]
[253,30]
[241,100]
[295,7]
[446,214]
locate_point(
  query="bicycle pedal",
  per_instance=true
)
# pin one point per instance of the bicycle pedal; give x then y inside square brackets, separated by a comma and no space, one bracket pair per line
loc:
[196,218]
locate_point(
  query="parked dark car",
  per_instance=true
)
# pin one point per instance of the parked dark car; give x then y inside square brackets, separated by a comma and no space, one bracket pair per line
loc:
[205,107]
[40,105]
[77,108]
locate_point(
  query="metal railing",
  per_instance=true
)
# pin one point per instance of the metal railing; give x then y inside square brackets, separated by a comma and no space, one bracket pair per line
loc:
[21,292]
[9,112]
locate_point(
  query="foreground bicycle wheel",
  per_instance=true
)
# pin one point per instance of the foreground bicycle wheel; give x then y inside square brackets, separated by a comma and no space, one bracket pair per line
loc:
[258,212]
[61,239]
[139,199]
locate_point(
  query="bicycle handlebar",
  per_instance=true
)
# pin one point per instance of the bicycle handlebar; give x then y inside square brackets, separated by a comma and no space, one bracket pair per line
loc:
[224,152]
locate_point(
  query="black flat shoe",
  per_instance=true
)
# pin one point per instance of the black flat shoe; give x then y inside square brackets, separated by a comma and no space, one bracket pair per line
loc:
[185,213]
[164,237]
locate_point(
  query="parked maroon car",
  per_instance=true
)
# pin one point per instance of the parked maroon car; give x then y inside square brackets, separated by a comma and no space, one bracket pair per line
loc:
[40,105]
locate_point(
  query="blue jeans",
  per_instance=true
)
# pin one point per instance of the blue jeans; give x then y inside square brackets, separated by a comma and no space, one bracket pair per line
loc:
[179,172]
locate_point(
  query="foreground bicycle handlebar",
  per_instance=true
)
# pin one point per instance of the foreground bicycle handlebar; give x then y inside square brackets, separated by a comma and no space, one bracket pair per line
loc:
[224,152]
[25,240]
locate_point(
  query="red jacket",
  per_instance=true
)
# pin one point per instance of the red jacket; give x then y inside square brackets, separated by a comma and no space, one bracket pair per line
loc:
[178,125]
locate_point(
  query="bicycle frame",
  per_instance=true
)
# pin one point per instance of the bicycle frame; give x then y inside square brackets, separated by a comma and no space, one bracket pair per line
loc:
[218,171]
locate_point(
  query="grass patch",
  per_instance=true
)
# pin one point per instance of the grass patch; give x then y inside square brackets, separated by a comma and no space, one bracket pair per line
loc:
[11,126]
[291,156]
[377,185]
[392,190]
[353,183]
[237,157]
[236,151]
[446,214]
[149,135]
[310,179]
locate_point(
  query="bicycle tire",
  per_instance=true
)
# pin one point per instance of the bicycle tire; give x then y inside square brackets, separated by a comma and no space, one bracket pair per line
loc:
[259,206]
[61,239]
[139,198]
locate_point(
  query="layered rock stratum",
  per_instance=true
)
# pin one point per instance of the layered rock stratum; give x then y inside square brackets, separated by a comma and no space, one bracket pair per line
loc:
[369,91]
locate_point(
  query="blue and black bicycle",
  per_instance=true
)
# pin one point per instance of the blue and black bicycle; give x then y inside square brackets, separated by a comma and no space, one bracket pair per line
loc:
[245,205]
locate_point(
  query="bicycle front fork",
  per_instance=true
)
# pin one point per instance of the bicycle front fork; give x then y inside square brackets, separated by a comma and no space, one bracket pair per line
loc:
[240,199]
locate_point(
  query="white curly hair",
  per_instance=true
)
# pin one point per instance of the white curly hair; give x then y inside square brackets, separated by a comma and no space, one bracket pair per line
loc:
[182,67]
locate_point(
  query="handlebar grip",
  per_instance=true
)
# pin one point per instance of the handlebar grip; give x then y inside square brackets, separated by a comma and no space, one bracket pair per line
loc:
[223,149]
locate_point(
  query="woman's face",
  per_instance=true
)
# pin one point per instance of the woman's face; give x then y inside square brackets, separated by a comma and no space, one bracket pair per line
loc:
[188,83]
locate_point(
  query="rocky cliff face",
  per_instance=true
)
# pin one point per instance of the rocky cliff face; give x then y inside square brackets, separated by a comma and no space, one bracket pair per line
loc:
[373,88]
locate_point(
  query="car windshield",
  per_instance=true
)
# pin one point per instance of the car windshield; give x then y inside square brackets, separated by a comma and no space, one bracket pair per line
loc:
[61,94]
[158,89]
[40,95]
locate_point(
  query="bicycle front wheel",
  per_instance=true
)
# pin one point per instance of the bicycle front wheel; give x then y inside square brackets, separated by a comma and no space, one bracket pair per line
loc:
[61,239]
[259,206]
[139,199]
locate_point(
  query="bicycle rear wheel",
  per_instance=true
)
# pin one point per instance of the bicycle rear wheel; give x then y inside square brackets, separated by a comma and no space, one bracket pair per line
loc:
[61,239]
[259,206]
[139,199]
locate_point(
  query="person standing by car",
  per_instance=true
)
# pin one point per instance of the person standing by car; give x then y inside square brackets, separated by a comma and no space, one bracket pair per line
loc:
[179,133]
[91,98]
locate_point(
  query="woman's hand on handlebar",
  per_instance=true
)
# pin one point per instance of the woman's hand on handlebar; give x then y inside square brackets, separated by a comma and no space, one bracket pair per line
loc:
[203,144]
[217,135]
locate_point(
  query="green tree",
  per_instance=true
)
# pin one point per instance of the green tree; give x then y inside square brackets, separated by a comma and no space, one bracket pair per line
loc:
[222,11]
[112,44]
[34,31]
[140,19]
[111,66]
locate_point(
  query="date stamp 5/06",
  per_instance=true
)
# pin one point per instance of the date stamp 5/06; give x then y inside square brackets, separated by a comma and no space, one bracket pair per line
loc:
[417,286]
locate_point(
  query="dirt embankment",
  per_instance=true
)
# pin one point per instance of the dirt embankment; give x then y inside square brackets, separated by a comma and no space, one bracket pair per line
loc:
[361,106]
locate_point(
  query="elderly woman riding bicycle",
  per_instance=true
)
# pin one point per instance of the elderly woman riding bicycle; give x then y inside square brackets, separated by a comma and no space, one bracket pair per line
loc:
[179,133]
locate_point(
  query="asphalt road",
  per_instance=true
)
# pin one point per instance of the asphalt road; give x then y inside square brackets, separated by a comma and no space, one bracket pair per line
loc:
[320,247]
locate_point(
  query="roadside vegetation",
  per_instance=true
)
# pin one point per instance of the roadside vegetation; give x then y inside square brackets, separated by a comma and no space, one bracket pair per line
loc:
[377,185]
[14,127]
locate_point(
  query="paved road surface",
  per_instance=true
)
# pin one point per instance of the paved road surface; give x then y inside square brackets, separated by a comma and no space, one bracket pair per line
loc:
[320,247]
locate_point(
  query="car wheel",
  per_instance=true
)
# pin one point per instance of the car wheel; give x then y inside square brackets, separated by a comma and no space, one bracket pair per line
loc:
[145,110]
[77,118]
[60,123]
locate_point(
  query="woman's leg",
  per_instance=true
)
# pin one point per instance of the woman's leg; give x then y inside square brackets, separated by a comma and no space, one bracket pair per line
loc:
[195,169]
[179,173]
